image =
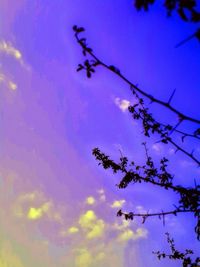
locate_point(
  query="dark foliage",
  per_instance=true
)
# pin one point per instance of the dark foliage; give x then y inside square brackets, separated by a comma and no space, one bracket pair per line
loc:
[177,255]
[150,172]
[186,10]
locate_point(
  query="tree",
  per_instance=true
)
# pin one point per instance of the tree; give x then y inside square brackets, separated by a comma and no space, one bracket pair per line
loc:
[150,172]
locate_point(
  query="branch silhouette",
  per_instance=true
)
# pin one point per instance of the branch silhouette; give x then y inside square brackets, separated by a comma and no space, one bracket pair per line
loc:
[149,123]
[89,67]
[177,255]
[189,198]
[149,172]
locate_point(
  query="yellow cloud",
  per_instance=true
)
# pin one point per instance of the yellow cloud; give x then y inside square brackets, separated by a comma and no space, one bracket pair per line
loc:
[73,230]
[122,226]
[93,226]
[8,257]
[141,233]
[36,213]
[84,259]
[97,229]
[118,203]
[100,256]
[128,234]
[90,200]
[87,219]
[34,205]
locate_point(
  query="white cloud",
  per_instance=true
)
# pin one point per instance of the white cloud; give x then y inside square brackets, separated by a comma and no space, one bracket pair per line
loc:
[102,196]
[123,104]
[9,49]
[157,148]
[8,83]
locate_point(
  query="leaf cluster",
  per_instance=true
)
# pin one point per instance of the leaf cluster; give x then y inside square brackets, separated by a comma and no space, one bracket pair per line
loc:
[189,198]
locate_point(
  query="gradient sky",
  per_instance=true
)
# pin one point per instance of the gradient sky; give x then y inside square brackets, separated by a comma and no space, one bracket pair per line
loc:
[57,207]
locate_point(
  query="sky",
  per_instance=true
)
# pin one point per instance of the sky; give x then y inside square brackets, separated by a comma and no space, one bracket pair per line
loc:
[57,206]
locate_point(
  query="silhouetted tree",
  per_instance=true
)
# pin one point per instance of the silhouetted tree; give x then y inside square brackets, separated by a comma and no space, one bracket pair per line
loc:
[150,172]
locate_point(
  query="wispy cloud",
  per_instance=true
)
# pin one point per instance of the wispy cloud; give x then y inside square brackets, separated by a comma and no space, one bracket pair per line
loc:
[10,50]
[7,82]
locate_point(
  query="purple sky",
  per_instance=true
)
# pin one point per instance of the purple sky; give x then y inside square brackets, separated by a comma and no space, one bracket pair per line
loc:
[57,207]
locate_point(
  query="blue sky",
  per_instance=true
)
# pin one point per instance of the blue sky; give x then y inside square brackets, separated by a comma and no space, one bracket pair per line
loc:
[58,208]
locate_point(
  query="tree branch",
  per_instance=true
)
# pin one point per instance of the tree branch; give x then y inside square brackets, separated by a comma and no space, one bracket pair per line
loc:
[167,104]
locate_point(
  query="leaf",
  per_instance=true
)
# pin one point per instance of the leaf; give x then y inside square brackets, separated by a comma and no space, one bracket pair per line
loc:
[75,28]
[81,29]
[88,74]
[80,67]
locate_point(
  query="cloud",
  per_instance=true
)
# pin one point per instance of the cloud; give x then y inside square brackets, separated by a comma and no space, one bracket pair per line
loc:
[90,239]
[93,226]
[118,203]
[12,85]
[129,234]
[87,219]
[90,200]
[97,230]
[8,257]
[84,259]
[125,224]
[171,151]
[34,206]
[73,230]
[8,49]
[37,213]
[102,196]
[123,104]
[157,148]
[8,83]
